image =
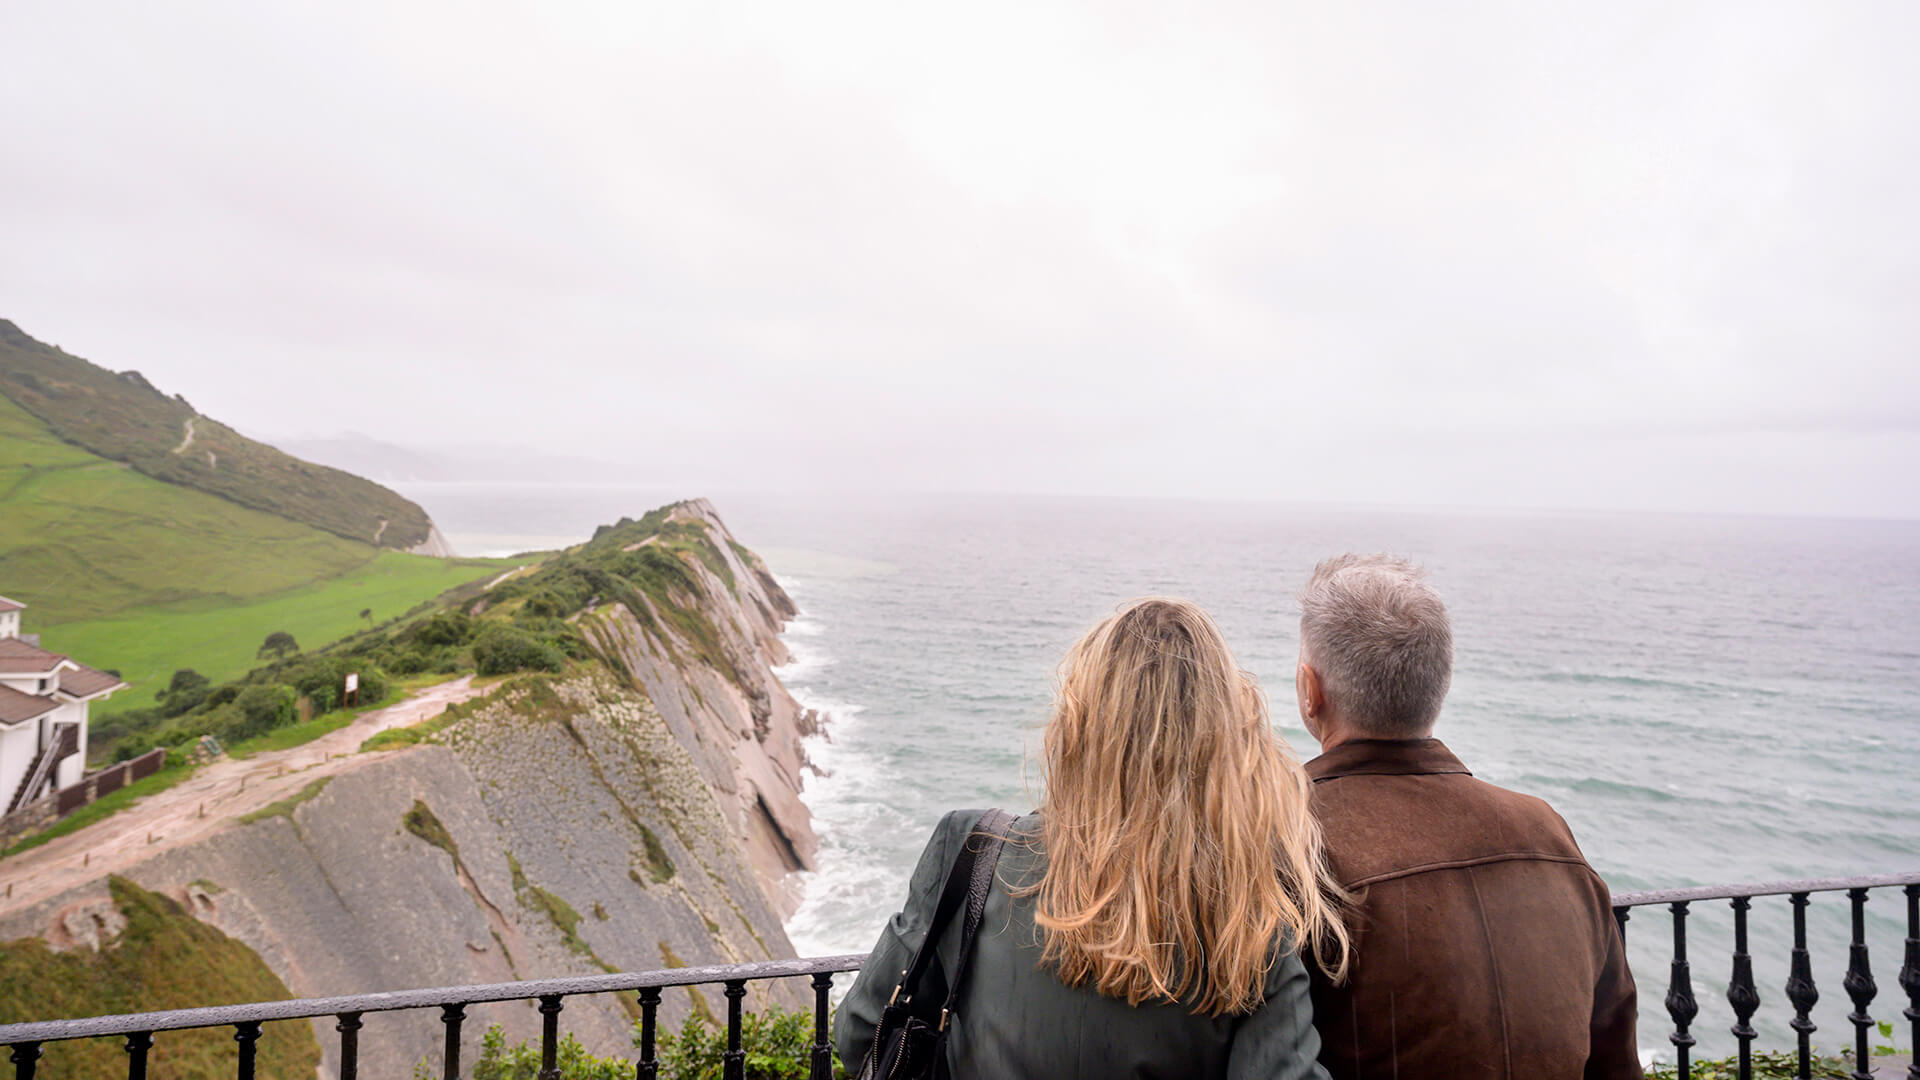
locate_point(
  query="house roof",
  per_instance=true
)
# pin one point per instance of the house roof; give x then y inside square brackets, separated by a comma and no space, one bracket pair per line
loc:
[10,605]
[19,658]
[81,681]
[16,707]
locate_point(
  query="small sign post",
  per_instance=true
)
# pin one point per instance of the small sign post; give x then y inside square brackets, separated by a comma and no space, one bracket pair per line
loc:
[353,688]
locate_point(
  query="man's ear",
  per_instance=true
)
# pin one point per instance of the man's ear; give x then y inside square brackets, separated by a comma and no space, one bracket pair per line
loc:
[1311,692]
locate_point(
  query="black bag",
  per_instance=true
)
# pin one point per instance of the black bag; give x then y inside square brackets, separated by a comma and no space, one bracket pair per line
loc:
[910,1041]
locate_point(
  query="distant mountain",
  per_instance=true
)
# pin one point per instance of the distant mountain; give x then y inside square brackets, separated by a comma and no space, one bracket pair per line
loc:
[122,417]
[390,463]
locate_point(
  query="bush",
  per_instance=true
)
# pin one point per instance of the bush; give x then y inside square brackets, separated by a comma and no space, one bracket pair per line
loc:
[187,689]
[500,649]
[779,1045]
[445,628]
[498,1061]
[278,644]
[259,709]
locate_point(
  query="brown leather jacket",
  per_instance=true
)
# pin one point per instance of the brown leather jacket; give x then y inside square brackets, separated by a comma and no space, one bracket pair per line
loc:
[1486,944]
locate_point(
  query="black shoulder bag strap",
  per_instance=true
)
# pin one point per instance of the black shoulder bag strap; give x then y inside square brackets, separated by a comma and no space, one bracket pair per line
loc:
[909,1040]
[987,836]
[970,880]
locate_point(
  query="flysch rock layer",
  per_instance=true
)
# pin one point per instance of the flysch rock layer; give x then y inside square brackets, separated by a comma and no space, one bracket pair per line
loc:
[606,820]
[745,738]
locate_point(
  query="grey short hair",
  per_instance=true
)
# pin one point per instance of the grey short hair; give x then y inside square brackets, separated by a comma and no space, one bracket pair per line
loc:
[1379,637]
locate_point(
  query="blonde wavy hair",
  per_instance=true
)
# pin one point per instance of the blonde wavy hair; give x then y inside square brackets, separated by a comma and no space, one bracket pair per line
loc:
[1181,855]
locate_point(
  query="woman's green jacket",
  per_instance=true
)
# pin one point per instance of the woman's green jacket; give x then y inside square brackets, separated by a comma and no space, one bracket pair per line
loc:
[1016,1019]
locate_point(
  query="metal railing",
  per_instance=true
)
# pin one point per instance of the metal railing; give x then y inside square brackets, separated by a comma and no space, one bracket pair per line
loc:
[24,1041]
[1744,996]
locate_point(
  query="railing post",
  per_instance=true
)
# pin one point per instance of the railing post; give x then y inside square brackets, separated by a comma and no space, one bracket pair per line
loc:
[246,1034]
[649,1066]
[822,1049]
[1621,915]
[1910,978]
[138,1044]
[549,1036]
[24,1056]
[1800,988]
[349,1029]
[450,1016]
[1680,1003]
[1741,992]
[734,1062]
[1859,986]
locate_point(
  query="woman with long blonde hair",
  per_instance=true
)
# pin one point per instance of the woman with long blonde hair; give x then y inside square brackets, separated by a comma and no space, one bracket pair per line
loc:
[1150,918]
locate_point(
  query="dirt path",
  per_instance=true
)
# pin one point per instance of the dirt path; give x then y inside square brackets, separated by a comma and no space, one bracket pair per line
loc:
[207,802]
[188,441]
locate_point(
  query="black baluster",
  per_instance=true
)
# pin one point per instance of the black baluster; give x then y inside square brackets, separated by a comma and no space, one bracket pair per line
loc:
[822,1049]
[1800,989]
[1741,992]
[1680,1003]
[734,1062]
[1859,985]
[549,1036]
[349,1029]
[450,1017]
[24,1057]
[1910,978]
[246,1034]
[649,1066]
[138,1044]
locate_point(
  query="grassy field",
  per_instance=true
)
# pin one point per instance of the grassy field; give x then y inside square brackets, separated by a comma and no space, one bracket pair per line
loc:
[222,643]
[82,537]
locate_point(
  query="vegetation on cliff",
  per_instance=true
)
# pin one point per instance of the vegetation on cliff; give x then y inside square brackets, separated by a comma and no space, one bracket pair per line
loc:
[122,417]
[163,959]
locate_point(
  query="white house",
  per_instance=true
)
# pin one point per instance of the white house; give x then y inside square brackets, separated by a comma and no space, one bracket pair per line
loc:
[43,714]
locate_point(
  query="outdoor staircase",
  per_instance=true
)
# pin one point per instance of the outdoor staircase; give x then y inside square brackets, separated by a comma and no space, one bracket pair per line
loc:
[65,742]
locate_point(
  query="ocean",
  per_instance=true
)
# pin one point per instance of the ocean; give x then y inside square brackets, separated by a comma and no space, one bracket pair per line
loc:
[1705,699]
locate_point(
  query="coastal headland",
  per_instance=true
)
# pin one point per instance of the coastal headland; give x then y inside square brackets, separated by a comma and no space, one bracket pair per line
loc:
[634,806]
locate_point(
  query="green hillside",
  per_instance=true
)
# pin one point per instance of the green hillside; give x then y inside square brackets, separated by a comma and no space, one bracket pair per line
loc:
[123,418]
[126,572]
[82,537]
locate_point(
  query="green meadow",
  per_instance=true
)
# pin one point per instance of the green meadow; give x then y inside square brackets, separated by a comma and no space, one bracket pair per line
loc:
[222,643]
[123,571]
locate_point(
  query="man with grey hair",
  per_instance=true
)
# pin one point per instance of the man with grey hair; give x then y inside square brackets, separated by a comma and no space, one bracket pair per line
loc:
[1485,945]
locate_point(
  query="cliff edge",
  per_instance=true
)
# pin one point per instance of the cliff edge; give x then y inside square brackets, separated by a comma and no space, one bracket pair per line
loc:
[637,808]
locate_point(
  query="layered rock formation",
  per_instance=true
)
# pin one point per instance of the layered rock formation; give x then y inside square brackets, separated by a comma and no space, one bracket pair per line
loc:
[630,814]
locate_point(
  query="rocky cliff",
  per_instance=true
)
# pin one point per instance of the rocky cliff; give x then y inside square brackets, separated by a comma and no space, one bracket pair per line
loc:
[637,810]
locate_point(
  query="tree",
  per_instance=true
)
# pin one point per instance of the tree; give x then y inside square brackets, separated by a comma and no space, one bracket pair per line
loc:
[367,614]
[278,644]
[185,690]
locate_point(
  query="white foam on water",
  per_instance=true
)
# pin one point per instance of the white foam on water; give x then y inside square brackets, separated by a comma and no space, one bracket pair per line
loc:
[843,901]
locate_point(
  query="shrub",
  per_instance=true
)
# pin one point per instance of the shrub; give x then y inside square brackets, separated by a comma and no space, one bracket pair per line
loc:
[500,649]
[278,644]
[521,1061]
[259,709]
[779,1045]
[184,691]
[445,628]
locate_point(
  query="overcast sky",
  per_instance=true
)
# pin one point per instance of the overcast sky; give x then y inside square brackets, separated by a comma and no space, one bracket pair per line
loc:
[1639,255]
